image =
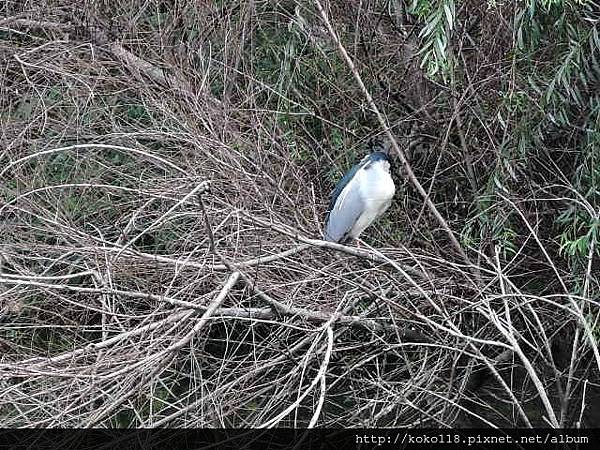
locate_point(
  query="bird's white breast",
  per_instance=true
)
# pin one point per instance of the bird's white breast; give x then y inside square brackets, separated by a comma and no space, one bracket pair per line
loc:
[376,184]
[376,189]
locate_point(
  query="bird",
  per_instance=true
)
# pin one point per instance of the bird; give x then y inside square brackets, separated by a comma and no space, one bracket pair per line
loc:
[363,194]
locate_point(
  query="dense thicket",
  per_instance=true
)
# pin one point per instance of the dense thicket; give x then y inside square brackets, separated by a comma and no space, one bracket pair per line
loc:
[132,295]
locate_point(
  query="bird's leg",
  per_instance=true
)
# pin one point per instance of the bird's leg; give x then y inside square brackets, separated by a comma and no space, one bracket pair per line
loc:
[358,242]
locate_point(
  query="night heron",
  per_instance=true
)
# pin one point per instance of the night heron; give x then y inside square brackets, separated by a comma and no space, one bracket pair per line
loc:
[360,197]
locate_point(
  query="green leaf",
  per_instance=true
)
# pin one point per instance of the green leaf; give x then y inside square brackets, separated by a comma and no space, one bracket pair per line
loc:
[449,17]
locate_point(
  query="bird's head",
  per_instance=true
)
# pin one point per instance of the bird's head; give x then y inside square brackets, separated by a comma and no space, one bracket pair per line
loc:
[379,156]
[378,145]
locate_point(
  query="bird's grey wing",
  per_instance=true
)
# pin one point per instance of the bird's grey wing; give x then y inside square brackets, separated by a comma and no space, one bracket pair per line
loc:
[341,185]
[347,209]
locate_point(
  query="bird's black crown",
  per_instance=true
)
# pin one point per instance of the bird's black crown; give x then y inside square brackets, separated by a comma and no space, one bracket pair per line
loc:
[379,156]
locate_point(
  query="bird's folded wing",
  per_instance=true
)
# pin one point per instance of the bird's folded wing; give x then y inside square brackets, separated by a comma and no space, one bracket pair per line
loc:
[347,209]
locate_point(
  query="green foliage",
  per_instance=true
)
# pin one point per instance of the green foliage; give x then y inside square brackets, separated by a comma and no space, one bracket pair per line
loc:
[562,27]
[569,99]
[438,19]
[551,107]
[580,236]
